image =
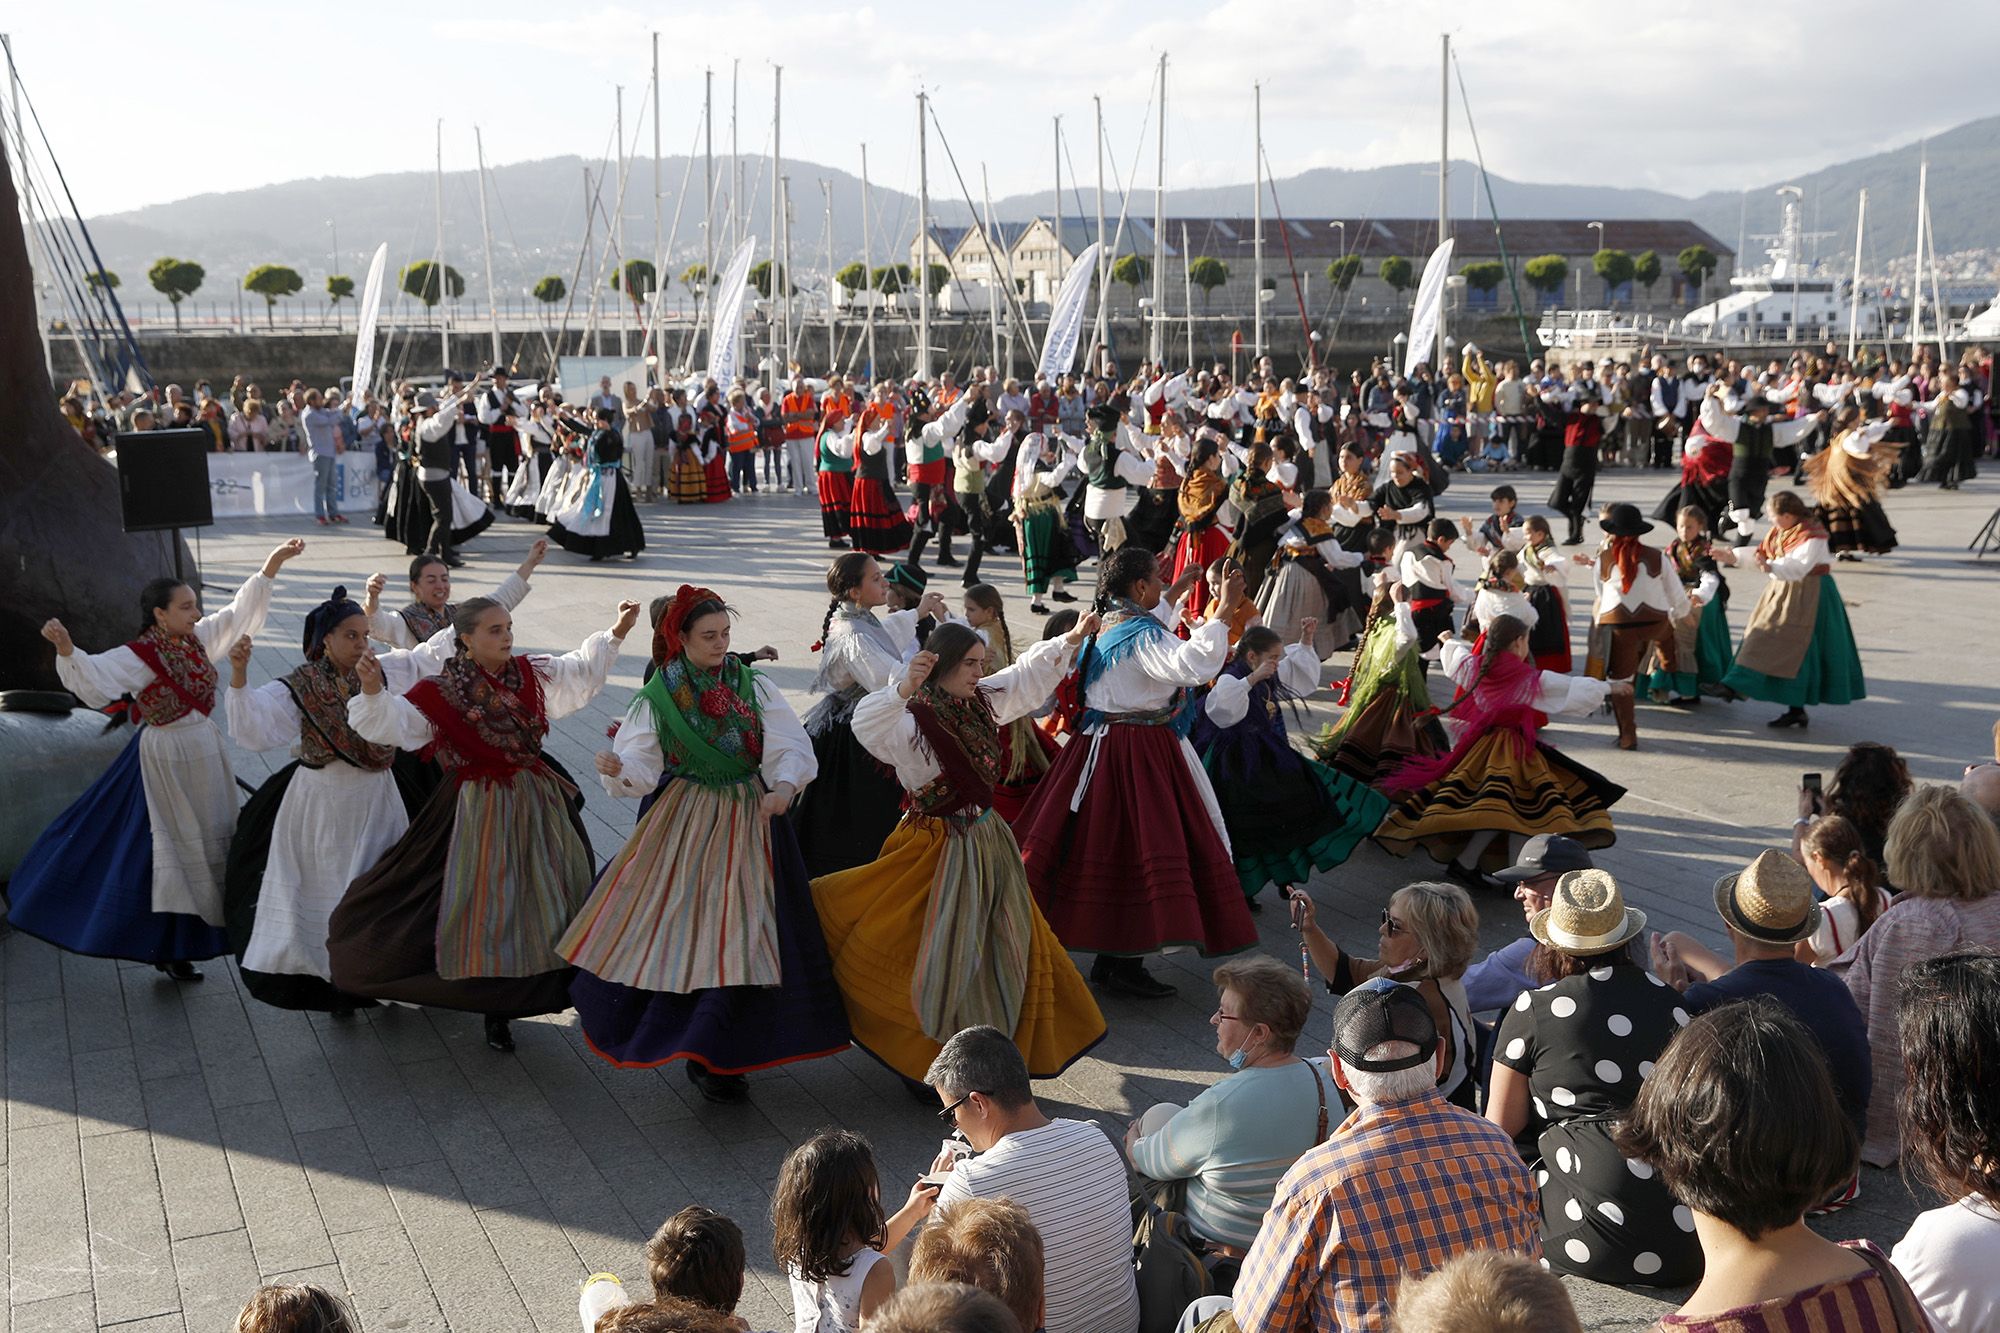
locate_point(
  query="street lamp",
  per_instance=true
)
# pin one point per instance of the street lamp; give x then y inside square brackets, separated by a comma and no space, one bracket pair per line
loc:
[1402,340]
[1600,232]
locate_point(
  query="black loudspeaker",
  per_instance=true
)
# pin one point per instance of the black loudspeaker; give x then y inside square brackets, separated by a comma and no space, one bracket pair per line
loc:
[163,479]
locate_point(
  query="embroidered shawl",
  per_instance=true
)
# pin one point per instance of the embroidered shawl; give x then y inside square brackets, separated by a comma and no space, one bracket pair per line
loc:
[490,725]
[325,737]
[184,680]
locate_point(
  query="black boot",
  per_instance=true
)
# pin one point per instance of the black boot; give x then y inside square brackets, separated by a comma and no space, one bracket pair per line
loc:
[499,1035]
[181,971]
[972,559]
[725,1088]
[1128,976]
[1791,717]
[917,545]
[945,559]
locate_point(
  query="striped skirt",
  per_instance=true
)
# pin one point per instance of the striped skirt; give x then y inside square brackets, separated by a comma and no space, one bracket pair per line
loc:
[513,878]
[687,903]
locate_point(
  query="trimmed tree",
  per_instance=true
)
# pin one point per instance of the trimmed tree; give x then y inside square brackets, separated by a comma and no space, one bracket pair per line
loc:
[890,278]
[1615,267]
[272,281]
[854,277]
[695,278]
[1398,272]
[638,280]
[936,277]
[176,279]
[101,280]
[1343,271]
[1546,273]
[1484,275]
[1207,273]
[1696,263]
[1646,269]
[550,290]
[1135,271]
[760,278]
[421,281]
[339,287]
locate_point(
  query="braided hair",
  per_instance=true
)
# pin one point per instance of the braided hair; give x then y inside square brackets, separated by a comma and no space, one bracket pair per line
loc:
[987,597]
[843,576]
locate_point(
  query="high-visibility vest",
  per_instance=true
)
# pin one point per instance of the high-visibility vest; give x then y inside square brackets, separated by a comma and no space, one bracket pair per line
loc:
[800,404]
[741,432]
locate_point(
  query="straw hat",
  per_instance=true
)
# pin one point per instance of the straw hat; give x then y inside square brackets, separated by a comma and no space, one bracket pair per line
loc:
[1586,915]
[1770,900]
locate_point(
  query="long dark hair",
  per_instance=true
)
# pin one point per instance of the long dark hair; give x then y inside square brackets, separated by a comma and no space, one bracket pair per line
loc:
[1837,841]
[843,576]
[1868,784]
[156,596]
[1117,572]
[827,1196]
[951,641]
[1949,1030]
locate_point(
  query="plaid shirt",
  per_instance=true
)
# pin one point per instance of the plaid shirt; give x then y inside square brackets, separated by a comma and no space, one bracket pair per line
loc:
[1400,1189]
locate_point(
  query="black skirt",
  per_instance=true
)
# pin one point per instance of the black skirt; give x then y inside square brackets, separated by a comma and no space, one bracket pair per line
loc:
[626,535]
[850,809]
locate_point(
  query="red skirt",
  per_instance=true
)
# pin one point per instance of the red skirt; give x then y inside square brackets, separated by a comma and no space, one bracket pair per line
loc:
[933,473]
[717,472]
[836,495]
[1009,798]
[874,519]
[1140,866]
[1200,549]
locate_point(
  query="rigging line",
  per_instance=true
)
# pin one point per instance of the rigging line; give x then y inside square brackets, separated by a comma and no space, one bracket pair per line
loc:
[1075,190]
[654,344]
[576,274]
[993,259]
[1285,232]
[1513,286]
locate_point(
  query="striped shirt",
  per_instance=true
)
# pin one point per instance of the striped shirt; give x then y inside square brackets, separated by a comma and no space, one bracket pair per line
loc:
[1072,1181]
[1859,1304]
[1400,1189]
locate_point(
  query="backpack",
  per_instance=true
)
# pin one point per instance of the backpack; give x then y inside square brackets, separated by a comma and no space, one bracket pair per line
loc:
[1168,1269]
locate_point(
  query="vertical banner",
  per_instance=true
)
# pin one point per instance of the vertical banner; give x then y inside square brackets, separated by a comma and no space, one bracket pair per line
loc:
[1424,319]
[364,336]
[1066,316]
[722,337]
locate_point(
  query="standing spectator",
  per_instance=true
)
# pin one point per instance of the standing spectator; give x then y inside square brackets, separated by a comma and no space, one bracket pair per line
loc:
[800,418]
[1944,858]
[1407,1183]
[212,419]
[740,433]
[1740,1122]
[1066,1173]
[321,426]
[249,430]
[1950,1030]
[1070,407]
[604,397]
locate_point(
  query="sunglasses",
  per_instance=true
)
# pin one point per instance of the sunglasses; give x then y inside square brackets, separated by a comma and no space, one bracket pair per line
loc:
[949,1114]
[1391,924]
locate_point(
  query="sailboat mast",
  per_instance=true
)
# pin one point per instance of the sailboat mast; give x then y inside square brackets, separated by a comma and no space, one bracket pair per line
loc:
[1917,283]
[1854,287]
[443,289]
[706,306]
[590,330]
[923,243]
[992,269]
[1257,233]
[1103,259]
[832,351]
[1055,222]
[1160,224]
[659,256]
[868,272]
[780,281]
[1438,367]
[486,241]
[618,226]
[1187,281]
[785,232]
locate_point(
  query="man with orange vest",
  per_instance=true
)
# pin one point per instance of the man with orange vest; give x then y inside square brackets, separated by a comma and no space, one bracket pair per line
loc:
[739,431]
[800,413]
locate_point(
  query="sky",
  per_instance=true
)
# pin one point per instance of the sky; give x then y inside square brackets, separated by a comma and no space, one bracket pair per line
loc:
[208,95]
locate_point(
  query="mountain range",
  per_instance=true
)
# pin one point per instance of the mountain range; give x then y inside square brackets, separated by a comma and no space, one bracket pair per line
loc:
[535,211]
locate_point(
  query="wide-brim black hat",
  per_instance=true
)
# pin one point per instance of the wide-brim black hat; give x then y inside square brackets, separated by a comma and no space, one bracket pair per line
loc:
[1102,414]
[1625,520]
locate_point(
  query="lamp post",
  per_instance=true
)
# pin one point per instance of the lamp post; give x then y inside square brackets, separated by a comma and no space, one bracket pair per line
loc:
[1396,353]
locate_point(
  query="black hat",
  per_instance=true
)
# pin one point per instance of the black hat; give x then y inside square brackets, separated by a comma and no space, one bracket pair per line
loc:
[499,373]
[1380,1010]
[1546,854]
[1624,520]
[1102,414]
[907,575]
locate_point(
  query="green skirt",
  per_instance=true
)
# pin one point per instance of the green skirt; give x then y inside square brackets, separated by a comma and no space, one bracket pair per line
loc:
[1713,656]
[1831,671]
[1046,552]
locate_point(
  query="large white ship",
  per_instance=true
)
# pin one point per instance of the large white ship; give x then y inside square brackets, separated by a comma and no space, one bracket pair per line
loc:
[1790,298]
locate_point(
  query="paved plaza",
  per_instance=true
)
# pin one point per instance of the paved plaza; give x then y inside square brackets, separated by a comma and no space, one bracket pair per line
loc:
[169,1147]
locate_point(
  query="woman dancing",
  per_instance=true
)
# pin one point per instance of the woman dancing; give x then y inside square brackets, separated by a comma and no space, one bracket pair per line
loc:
[1798,648]
[1847,479]
[1025,749]
[1048,556]
[1201,537]
[845,815]
[940,932]
[876,521]
[699,941]
[133,869]
[1696,656]
[464,911]
[1501,778]
[601,520]
[1389,717]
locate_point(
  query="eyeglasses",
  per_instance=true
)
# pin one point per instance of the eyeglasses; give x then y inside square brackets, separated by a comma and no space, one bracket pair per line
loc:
[1219,1016]
[949,1114]
[1391,924]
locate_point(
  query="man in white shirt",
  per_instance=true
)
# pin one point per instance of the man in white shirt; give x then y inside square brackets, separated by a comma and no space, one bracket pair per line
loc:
[1066,1173]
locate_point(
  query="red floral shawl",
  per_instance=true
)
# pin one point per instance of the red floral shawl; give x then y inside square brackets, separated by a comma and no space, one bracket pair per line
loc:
[184,680]
[488,726]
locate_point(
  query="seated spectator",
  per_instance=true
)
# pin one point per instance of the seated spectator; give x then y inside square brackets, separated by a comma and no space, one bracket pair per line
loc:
[1950,1030]
[1484,1292]
[1427,937]
[696,1255]
[944,1307]
[1497,980]
[1407,1183]
[1981,786]
[1944,859]
[665,1315]
[1852,882]
[1234,1141]
[1740,1122]
[305,1307]
[986,1243]
[1066,1173]
[1570,1057]
[1768,910]
[1867,786]
[828,1232]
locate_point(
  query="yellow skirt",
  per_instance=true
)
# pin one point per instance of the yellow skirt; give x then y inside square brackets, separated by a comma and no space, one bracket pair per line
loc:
[1496,786]
[936,910]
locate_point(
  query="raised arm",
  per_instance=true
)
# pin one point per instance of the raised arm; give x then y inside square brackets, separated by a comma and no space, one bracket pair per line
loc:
[1021,689]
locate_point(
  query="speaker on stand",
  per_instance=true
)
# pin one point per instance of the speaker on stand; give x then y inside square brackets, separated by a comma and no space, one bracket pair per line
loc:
[163,483]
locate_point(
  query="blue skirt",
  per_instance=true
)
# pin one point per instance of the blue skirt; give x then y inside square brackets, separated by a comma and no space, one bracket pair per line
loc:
[87,883]
[730,1029]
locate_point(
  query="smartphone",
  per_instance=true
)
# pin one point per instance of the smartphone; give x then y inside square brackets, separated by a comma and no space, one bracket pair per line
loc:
[1811,783]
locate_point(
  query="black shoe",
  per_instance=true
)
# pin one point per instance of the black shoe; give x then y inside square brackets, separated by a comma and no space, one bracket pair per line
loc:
[1255,904]
[452,561]
[1471,877]
[1791,717]
[946,560]
[1063,596]
[1038,608]
[499,1035]
[1128,976]
[182,971]
[726,1088]
[1572,540]
[1684,701]
[836,544]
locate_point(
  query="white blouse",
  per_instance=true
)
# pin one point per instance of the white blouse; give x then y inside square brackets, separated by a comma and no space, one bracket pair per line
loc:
[788,752]
[1794,564]
[885,728]
[1490,604]
[1557,693]
[390,627]
[850,657]
[98,678]
[568,683]
[1159,664]
[267,717]
[1298,675]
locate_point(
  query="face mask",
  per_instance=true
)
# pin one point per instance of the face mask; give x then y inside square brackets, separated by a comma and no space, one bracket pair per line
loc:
[1401,968]
[1239,1057]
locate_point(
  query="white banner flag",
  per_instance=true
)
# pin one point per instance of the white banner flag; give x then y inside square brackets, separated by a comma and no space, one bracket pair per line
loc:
[1066,317]
[1424,319]
[364,337]
[722,367]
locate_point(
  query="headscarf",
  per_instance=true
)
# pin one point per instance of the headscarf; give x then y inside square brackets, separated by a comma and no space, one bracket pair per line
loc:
[668,636]
[321,620]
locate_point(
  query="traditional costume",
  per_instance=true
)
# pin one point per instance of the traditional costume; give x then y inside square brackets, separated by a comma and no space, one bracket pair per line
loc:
[1411,503]
[699,941]
[1426,573]
[687,469]
[1123,839]
[1638,599]
[1695,659]
[408,518]
[1048,557]
[1111,470]
[134,868]
[715,458]
[1798,649]
[1353,515]
[835,475]
[940,933]
[1706,462]
[876,521]
[1313,576]
[1287,816]
[414,625]
[464,911]
[1200,538]
[1952,441]
[1847,479]
[1260,504]
[1754,440]
[1546,575]
[1576,478]
[599,518]
[843,818]
[1389,717]
[1500,776]
[320,822]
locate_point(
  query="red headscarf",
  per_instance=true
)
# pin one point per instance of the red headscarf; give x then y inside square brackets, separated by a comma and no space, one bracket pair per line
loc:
[667,641]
